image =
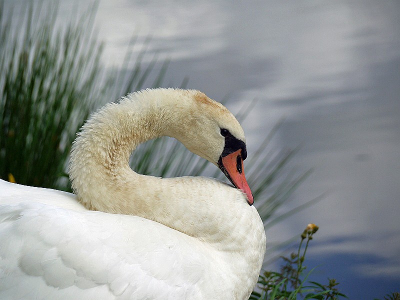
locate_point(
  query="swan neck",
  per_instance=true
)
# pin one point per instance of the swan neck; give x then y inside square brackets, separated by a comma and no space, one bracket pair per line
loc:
[99,165]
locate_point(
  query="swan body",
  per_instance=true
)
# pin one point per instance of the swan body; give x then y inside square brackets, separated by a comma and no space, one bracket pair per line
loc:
[129,236]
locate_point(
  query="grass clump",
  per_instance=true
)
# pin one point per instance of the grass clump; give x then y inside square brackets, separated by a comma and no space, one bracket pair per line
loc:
[392,296]
[49,79]
[291,282]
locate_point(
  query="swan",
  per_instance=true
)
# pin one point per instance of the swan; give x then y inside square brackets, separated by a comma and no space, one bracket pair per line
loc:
[123,235]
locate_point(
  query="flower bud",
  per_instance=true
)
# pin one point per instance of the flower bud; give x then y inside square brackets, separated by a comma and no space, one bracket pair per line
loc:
[311,228]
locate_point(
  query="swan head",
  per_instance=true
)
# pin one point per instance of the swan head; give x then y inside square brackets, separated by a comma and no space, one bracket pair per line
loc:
[210,130]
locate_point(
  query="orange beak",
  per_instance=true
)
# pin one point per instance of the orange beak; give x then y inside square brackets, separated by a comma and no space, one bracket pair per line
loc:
[232,166]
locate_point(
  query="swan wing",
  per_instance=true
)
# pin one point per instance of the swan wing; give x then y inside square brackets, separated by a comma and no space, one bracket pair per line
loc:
[49,252]
[11,193]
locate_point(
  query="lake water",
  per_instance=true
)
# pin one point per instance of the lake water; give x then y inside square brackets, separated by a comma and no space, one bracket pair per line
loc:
[332,70]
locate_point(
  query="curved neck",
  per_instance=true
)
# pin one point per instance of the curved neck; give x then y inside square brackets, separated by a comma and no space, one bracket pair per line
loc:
[99,164]
[102,179]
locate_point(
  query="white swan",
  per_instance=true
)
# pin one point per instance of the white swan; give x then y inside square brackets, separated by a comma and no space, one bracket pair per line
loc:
[131,236]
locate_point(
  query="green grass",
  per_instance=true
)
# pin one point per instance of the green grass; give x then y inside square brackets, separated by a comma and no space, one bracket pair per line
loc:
[291,282]
[51,79]
[392,296]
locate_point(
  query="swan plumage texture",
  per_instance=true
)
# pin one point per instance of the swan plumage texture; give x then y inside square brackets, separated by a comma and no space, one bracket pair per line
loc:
[129,236]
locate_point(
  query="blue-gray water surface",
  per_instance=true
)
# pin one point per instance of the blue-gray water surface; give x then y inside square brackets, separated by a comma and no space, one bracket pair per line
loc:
[331,69]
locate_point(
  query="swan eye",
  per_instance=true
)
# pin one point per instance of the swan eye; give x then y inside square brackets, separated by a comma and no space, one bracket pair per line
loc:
[225,132]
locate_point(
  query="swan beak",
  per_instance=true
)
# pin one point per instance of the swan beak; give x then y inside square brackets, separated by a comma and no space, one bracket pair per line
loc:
[232,166]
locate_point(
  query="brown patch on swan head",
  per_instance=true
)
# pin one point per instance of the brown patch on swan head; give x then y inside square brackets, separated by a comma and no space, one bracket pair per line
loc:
[224,117]
[202,99]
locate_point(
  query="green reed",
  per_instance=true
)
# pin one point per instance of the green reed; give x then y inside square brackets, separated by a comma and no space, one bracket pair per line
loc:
[51,79]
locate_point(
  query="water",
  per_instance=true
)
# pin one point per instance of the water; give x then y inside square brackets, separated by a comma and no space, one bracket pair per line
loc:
[332,70]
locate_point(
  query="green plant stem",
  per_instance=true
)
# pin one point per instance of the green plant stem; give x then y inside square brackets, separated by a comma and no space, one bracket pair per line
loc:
[299,262]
